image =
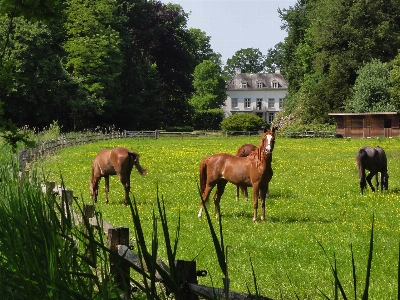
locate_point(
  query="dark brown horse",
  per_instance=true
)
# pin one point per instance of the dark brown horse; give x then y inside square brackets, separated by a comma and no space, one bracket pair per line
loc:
[244,151]
[374,160]
[254,170]
[118,161]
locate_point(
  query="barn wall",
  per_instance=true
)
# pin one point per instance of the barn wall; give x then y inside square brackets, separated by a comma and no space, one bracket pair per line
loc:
[369,125]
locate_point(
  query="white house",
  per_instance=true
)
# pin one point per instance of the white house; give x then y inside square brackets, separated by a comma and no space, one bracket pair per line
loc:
[261,94]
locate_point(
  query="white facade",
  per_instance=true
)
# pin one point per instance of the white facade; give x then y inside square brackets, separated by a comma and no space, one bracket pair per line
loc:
[260,94]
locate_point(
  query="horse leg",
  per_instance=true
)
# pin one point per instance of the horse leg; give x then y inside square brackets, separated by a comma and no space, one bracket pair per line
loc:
[237,193]
[107,186]
[217,197]
[369,177]
[244,191]
[94,188]
[256,192]
[263,195]
[127,187]
[205,195]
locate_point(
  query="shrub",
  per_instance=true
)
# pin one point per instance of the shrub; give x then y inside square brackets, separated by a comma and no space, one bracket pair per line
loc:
[242,122]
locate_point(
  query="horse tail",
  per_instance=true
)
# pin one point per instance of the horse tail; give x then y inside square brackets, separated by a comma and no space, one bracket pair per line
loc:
[203,174]
[360,159]
[135,156]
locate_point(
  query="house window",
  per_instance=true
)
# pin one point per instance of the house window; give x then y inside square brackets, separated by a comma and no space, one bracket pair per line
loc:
[281,101]
[259,84]
[244,85]
[259,103]
[247,102]
[275,84]
[234,103]
[271,102]
[271,117]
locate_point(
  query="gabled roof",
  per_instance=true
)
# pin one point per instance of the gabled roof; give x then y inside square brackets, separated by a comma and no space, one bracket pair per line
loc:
[252,79]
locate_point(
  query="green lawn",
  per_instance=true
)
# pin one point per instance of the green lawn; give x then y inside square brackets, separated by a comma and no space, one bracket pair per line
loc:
[314,197]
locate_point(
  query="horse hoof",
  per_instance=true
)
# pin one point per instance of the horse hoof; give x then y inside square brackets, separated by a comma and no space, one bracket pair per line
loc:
[255,221]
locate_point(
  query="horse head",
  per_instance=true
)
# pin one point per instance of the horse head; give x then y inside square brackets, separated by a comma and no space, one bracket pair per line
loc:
[385,180]
[268,141]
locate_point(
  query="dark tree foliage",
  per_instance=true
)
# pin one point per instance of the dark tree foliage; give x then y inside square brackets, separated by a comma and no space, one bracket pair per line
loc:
[41,90]
[99,63]
[157,32]
[328,41]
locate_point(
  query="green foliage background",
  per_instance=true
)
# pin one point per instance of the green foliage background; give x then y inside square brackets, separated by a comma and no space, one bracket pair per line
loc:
[314,197]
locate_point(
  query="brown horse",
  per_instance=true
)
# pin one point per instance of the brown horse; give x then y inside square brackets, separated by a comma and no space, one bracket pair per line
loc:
[118,161]
[254,170]
[374,160]
[244,151]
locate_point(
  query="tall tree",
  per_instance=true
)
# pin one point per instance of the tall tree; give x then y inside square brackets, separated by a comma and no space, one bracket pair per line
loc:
[209,86]
[94,56]
[394,79]
[159,32]
[371,89]
[334,39]
[41,90]
[275,59]
[44,10]
[249,60]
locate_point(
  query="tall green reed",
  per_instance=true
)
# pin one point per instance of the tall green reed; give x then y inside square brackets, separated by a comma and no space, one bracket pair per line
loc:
[42,253]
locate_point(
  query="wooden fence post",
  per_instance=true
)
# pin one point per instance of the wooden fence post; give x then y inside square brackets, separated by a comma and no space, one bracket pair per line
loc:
[88,212]
[66,202]
[50,185]
[186,271]
[119,236]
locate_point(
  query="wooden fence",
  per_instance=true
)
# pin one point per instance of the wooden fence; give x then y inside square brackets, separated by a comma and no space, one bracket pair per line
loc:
[118,243]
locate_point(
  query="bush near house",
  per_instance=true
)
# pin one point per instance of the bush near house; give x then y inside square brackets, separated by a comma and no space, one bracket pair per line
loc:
[242,122]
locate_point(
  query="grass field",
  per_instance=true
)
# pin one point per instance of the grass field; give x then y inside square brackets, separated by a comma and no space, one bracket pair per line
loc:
[314,197]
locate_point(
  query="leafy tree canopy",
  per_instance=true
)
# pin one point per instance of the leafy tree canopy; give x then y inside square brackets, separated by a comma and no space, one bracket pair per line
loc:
[328,43]
[209,86]
[371,91]
[249,60]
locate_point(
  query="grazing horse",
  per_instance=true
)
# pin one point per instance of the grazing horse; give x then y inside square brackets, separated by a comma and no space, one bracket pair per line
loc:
[252,171]
[244,151]
[117,161]
[374,160]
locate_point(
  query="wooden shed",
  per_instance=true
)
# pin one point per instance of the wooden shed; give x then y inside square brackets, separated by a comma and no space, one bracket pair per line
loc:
[367,125]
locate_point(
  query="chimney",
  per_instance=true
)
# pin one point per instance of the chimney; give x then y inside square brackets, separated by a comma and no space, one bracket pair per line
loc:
[277,70]
[238,70]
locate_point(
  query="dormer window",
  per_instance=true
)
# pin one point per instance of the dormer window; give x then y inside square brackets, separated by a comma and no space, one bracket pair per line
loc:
[260,84]
[275,84]
[244,84]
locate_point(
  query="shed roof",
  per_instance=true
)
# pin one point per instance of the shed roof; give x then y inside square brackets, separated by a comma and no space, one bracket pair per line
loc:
[363,114]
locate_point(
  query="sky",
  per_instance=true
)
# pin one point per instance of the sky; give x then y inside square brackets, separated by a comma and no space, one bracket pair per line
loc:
[237,24]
